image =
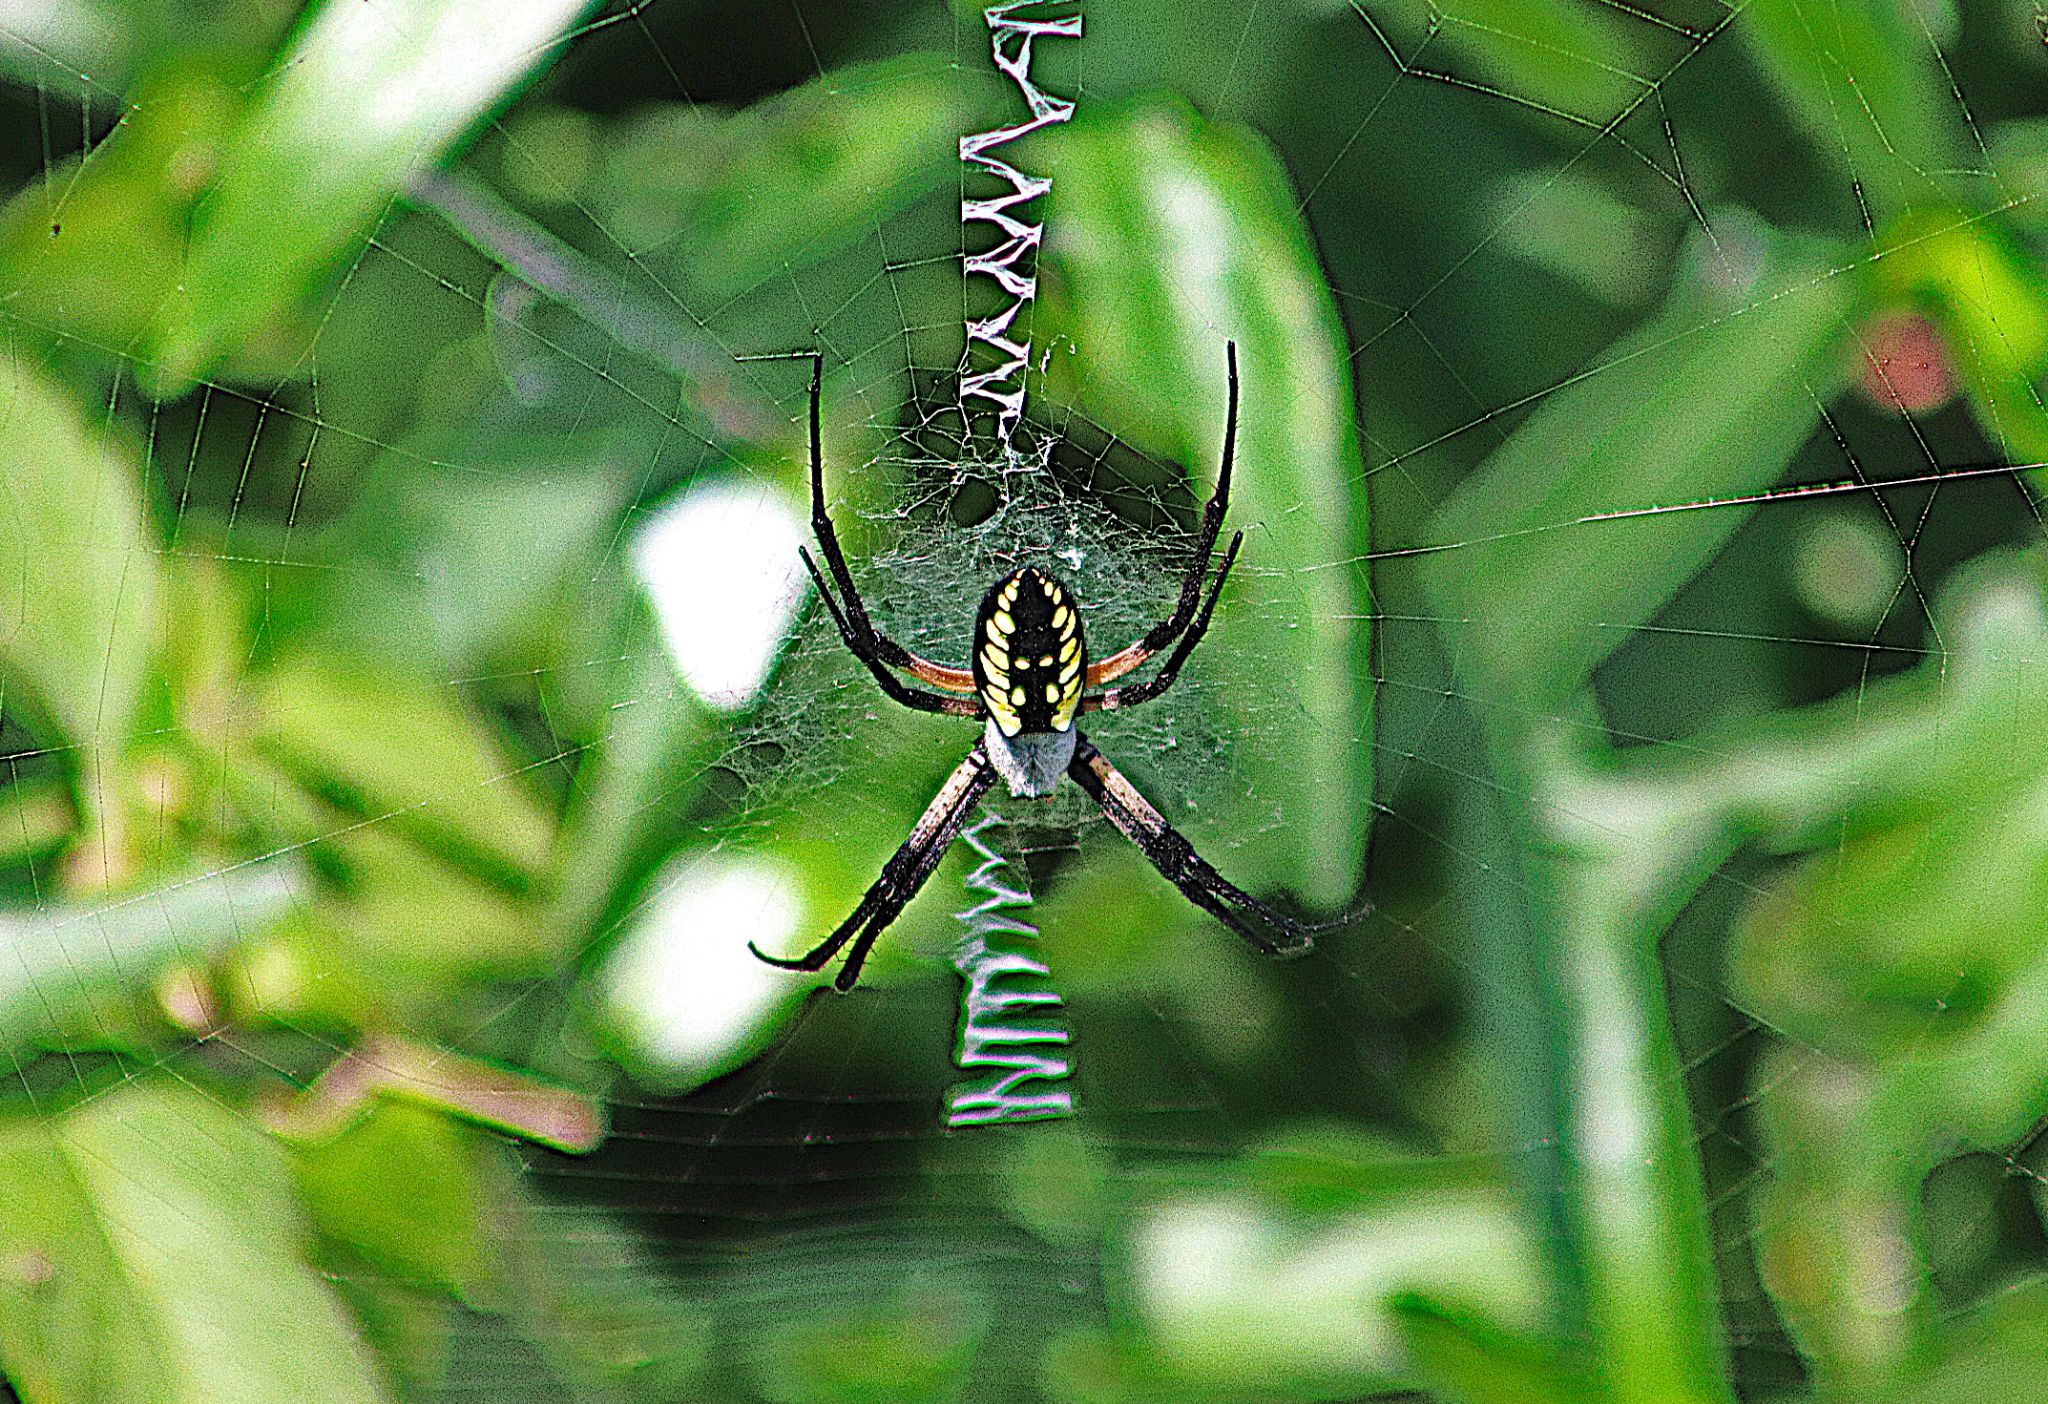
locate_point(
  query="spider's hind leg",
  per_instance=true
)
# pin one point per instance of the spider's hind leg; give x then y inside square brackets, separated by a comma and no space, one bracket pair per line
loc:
[902,876]
[1271,931]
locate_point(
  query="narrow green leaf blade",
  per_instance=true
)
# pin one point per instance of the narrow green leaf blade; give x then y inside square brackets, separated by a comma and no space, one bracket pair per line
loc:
[56,966]
[1870,91]
[78,578]
[362,99]
[1553,551]
[1172,237]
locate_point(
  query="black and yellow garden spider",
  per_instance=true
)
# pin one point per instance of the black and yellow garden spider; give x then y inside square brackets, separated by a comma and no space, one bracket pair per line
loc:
[1029,678]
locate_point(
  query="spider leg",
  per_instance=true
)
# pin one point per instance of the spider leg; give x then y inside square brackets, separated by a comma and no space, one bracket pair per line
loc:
[868,643]
[1131,694]
[1177,861]
[902,876]
[897,689]
[1170,628]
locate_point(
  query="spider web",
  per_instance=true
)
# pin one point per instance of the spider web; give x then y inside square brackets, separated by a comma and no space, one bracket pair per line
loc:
[444,516]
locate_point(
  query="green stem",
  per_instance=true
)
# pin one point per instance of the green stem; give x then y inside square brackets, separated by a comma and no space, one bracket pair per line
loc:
[1636,1214]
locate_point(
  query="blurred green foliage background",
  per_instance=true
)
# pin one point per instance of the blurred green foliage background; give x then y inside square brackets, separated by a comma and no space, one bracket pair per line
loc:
[410,706]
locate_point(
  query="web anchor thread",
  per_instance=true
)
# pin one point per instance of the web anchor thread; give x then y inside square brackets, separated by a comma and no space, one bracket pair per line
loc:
[1012,263]
[1006,1016]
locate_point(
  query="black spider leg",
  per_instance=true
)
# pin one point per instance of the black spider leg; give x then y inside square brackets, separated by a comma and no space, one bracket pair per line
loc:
[902,876]
[1131,694]
[1169,628]
[897,689]
[1186,869]
[870,645]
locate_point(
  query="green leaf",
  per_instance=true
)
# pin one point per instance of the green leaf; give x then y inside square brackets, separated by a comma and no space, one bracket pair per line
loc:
[404,1186]
[157,1255]
[406,755]
[409,1327]
[362,99]
[1150,329]
[608,1321]
[1283,1280]
[714,190]
[1985,294]
[1870,90]
[1900,939]
[1464,1359]
[1549,556]
[94,248]
[1560,58]
[1992,1351]
[914,1348]
[59,965]
[405,930]
[35,816]
[444,563]
[79,576]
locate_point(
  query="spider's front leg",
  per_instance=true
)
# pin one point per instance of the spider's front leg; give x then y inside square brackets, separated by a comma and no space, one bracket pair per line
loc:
[875,649]
[902,876]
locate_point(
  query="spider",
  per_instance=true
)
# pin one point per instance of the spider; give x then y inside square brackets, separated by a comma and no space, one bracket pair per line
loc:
[1030,676]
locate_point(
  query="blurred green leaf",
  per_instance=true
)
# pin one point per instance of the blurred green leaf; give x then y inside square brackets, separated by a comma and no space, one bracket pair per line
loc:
[69,1318]
[1992,1351]
[1298,603]
[1547,558]
[1466,1360]
[1850,1143]
[1952,735]
[408,756]
[1986,296]
[709,192]
[1281,1278]
[446,562]
[405,1187]
[94,248]
[1587,64]
[363,98]
[158,1255]
[636,776]
[1901,938]
[35,817]
[913,1349]
[412,926]
[62,966]
[79,575]
[1868,85]
[409,1327]
[57,39]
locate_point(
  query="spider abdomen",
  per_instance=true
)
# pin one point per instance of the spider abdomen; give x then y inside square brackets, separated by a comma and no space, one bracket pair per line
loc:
[1030,657]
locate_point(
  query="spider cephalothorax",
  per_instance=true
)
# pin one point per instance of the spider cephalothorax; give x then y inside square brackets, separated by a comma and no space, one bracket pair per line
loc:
[1030,677]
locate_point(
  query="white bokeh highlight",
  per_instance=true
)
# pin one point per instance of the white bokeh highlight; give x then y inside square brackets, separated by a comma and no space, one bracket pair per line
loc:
[682,991]
[719,564]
